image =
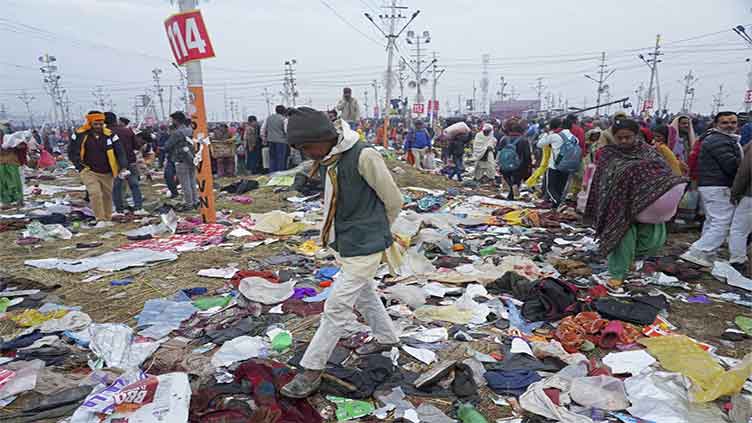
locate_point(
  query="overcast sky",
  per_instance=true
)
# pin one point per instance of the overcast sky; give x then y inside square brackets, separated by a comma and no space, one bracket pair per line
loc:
[116,43]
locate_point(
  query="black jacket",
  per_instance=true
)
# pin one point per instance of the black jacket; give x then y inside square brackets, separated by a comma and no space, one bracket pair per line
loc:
[719,160]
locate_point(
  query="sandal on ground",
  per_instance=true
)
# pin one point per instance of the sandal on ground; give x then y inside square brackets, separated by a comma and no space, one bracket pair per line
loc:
[301,387]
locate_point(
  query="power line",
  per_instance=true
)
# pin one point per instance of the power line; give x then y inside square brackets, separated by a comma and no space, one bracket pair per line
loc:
[348,23]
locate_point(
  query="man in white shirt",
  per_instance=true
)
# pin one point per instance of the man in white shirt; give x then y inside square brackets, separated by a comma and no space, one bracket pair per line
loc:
[556,180]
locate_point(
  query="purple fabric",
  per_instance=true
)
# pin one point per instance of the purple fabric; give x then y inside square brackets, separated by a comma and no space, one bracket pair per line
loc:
[301,293]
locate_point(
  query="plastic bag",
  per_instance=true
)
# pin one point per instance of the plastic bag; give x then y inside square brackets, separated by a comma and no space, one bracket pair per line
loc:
[349,409]
[678,353]
[240,349]
[412,295]
[604,392]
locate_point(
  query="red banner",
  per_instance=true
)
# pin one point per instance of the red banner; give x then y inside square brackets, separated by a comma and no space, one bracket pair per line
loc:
[188,37]
[418,108]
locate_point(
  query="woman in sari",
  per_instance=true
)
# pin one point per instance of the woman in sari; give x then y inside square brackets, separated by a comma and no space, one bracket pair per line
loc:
[633,194]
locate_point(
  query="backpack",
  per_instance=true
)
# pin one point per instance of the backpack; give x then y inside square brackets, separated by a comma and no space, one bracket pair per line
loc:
[508,158]
[570,154]
[551,299]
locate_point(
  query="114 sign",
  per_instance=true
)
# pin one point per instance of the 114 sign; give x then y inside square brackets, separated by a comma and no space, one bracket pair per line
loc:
[188,37]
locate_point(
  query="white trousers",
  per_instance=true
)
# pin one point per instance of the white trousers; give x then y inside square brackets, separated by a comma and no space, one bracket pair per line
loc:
[419,155]
[741,227]
[355,286]
[719,213]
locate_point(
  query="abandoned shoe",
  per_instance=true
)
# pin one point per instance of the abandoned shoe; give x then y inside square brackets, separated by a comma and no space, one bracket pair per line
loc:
[301,386]
[373,348]
[696,258]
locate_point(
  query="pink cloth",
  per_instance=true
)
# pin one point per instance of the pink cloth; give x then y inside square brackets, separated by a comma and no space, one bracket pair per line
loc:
[664,208]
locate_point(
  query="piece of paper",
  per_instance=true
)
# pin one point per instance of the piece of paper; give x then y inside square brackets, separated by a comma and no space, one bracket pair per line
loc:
[429,336]
[723,270]
[519,346]
[632,362]
[422,354]
[224,273]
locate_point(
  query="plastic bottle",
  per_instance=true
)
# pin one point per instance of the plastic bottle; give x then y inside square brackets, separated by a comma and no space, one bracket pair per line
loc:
[487,251]
[468,414]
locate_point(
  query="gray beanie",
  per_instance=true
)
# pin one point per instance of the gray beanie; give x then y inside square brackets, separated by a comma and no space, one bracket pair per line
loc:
[307,125]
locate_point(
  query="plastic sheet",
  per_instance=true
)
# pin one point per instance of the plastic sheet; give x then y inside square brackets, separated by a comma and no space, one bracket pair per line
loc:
[46,232]
[662,397]
[162,317]
[678,353]
[412,295]
[24,379]
[108,262]
[450,313]
[603,392]
[240,349]
[415,263]
[262,291]
[277,223]
[114,343]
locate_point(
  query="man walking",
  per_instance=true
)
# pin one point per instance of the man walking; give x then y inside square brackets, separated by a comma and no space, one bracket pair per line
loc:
[99,157]
[252,146]
[562,144]
[349,108]
[418,142]
[361,202]
[720,155]
[130,145]
[180,151]
[274,133]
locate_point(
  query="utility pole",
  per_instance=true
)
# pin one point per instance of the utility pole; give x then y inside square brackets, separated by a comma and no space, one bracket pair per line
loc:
[502,86]
[474,104]
[365,102]
[390,18]
[3,112]
[375,85]
[268,99]
[539,89]
[718,100]
[26,99]
[227,105]
[156,72]
[652,63]
[51,80]
[748,94]
[436,74]
[198,115]
[417,40]
[99,97]
[485,60]
[602,77]
[638,92]
[290,80]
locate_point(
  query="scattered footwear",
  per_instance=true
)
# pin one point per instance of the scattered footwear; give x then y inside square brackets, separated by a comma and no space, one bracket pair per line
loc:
[301,386]
[141,212]
[373,348]
[697,259]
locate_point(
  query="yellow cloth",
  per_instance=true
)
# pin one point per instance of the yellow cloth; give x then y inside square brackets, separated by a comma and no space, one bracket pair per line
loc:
[535,177]
[678,353]
[670,158]
[32,317]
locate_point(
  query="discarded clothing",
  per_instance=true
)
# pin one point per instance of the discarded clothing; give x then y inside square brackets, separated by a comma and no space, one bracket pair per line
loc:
[511,382]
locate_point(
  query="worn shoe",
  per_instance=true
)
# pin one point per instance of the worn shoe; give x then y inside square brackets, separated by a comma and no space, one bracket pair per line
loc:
[141,212]
[300,387]
[118,214]
[373,348]
[695,258]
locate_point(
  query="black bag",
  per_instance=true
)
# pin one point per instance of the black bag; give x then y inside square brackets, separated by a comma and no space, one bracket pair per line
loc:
[640,310]
[550,299]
